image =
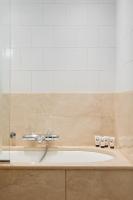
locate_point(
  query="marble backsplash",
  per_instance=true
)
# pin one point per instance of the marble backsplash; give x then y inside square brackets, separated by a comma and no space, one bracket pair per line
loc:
[77,118]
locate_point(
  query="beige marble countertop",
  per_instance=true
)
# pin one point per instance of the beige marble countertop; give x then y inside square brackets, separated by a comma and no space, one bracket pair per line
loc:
[120,161]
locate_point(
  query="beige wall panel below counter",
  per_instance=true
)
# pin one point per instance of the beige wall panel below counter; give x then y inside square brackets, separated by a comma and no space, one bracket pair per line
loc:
[32,185]
[99,184]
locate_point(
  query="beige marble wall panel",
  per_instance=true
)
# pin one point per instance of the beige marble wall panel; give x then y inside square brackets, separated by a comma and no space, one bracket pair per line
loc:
[77,118]
[124,118]
[99,184]
[32,185]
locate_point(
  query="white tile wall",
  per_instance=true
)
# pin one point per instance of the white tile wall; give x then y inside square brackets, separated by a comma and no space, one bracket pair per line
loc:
[4,46]
[124,80]
[63,45]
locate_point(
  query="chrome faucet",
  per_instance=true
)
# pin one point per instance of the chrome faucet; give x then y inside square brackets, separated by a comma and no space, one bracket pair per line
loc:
[40,138]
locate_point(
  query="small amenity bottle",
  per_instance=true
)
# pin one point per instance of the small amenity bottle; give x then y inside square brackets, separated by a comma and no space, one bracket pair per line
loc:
[112,142]
[106,140]
[97,140]
[102,142]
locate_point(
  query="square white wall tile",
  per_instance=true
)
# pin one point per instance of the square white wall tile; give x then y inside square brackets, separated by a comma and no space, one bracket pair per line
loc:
[20,81]
[101,14]
[42,81]
[65,58]
[101,57]
[42,37]
[87,37]
[107,81]
[54,14]
[27,14]
[31,57]
[77,15]
[107,37]
[21,37]
[124,77]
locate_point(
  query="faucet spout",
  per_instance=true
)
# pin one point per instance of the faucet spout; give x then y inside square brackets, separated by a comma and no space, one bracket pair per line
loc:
[30,137]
